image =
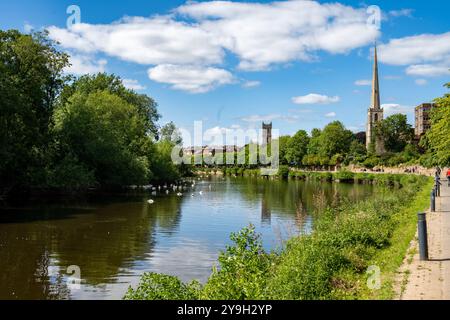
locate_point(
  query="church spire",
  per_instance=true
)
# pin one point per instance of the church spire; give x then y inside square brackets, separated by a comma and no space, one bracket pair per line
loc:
[375,102]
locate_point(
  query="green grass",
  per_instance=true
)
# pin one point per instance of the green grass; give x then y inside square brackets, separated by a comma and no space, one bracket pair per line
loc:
[330,263]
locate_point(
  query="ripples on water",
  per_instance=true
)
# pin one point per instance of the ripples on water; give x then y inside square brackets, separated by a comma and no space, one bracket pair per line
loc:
[115,240]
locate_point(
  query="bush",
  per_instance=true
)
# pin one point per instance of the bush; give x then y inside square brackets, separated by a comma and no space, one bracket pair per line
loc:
[283,172]
[243,270]
[155,286]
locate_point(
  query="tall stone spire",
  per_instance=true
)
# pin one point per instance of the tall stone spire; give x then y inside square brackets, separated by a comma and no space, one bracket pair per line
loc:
[375,102]
[375,113]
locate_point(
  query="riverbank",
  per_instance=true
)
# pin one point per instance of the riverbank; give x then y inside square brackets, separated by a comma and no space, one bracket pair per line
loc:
[353,252]
[390,176]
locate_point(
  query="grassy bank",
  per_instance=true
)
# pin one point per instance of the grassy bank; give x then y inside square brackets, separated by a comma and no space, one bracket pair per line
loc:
[331,263]
[286,173]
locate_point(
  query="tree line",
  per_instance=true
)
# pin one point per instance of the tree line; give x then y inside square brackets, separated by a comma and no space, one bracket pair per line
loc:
[66,133]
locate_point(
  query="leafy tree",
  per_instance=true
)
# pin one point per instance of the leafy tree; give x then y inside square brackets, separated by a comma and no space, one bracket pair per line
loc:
[107,135]
[146,106]
[438,136]
[31,77]
[314,142]
[297,147]
[283,144]
[396,132]
[169,132]
[334,139]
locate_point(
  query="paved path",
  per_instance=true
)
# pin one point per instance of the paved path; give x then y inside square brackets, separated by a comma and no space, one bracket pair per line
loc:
[430,280]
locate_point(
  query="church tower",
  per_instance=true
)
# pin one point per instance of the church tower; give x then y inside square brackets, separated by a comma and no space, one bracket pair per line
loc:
[375,114]
[267,133]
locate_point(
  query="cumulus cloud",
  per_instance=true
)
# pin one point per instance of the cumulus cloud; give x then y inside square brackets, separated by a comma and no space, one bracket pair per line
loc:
[363,82]
[133,84]
[427,55]
[428,70]
[393,108]
[296,30]
[314,98]
[82,64]
[193,79]
[331,115]
[151,41]
[196,35]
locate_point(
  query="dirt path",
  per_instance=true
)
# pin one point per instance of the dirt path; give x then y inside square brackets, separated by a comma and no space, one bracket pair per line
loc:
[430,280]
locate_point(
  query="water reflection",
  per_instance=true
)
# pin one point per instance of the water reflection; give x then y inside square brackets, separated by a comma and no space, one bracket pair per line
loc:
[115,240]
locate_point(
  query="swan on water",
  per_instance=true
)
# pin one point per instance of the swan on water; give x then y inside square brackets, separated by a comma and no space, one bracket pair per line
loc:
[150,201]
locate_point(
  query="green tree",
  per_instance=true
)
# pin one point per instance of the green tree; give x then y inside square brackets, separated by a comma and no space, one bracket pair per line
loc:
[396,132]
[107,136]
[31,77]
[438,137]
[334,139]
[283,144]
[297,147]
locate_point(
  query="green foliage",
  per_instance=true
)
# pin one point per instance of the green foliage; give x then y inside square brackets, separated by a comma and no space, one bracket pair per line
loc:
[31,77]
[283,172]
[297,147]
[396,132]
[438,135]
[107,135]
[163,287]
[243,270]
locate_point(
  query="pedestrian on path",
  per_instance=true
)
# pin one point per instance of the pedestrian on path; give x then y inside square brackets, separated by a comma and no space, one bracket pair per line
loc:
[448,176]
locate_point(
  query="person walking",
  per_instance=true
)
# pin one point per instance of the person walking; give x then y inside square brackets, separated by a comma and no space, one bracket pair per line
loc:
[448,176]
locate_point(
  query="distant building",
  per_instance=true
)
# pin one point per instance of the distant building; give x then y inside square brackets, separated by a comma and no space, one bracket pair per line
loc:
[423,123]
[267,133]
[375,113]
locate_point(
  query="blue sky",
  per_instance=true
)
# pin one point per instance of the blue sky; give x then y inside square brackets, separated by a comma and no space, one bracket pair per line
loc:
[235,64]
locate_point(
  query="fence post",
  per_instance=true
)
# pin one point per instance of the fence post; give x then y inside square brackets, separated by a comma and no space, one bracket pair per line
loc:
[433,200]
[423,240]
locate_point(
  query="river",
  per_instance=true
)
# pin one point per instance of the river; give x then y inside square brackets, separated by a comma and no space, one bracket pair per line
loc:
[112,240]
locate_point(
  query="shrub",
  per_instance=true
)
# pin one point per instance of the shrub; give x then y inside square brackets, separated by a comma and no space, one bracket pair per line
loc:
[155,286]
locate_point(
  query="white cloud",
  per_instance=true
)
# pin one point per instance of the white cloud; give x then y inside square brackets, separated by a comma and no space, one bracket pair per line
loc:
[196,35]
[401,13]
[269,117]
[133,84]
[297,29]
[416,49]
[428,70]
[151,41]
[363,82]
[28,28]
[82,64]
[393,108]
[251,84]
[314,98]
[421,82]
[428,55]
[193,79]
[331,115]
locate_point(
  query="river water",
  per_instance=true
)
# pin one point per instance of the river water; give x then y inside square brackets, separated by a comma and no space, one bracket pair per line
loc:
[108,242]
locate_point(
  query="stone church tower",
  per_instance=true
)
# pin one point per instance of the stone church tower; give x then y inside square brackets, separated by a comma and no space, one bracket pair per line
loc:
[375,114]
[267,133]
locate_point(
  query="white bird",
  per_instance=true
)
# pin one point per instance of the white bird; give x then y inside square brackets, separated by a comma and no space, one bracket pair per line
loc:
[179,194]
[192,195]
[200,193]
[150,201]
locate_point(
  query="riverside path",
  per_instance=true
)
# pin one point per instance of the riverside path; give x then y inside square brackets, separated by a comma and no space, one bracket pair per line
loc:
[430,280]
